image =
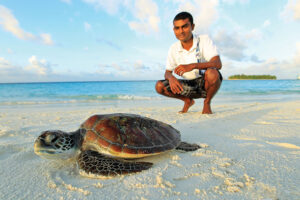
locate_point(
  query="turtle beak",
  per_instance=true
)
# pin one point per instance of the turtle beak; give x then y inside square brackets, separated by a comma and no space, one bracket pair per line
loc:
[37,146]
[41,149]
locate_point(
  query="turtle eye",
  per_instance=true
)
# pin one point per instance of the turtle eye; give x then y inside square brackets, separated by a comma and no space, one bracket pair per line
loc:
[50,138]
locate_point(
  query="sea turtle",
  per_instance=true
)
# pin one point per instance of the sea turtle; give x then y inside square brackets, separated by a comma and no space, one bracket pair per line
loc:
[104,144]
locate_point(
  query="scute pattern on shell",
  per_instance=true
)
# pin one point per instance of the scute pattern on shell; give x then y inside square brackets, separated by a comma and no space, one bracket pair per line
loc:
[130,133]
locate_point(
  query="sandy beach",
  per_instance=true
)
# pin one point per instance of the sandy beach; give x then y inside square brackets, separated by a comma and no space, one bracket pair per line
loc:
[250,150]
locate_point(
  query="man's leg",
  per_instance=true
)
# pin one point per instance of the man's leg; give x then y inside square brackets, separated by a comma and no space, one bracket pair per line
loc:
[212,85]
[161,89]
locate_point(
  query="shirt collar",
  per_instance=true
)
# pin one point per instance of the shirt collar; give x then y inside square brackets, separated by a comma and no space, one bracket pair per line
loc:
[181,49]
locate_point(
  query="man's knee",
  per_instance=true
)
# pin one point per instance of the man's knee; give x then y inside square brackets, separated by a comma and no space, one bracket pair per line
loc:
[159,87]
[212,75]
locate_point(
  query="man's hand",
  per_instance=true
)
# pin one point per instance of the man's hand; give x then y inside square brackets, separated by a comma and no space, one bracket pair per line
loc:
[175,85]
[181,69]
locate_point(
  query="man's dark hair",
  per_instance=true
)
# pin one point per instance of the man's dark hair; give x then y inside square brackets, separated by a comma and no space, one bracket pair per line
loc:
[184,15]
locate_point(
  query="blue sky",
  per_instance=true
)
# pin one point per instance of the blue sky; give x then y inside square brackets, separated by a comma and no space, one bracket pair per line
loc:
[98,40]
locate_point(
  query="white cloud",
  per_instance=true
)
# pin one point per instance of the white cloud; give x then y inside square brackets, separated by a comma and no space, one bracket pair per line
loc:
[67,1]
[291,10]
[11,24]
[235,43]
[204,12]
[255,34]
[235,1]
[255,59]
[10,51]
[297,10]
[41,71]
[283,69]
[231,45]
[131,70]
[109,43]
[87,26]
[13,73]
[139,65]
[266,23]
[9,72]
[111,6]
[40,67]
[113,70]
[117,67]
[146,13]
[46,39]
[4,64]
[36,70]
[296,59]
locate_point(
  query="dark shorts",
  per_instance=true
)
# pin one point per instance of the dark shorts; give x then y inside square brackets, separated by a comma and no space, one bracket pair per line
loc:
[191,88]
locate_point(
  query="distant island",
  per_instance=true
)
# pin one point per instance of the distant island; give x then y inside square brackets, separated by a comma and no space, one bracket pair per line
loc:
[248,77]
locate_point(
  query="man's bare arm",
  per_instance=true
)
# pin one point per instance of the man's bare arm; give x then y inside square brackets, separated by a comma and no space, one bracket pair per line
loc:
[174,83]
[215,62]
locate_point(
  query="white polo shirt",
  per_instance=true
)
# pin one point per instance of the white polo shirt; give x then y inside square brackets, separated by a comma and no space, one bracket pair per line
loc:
[177,55]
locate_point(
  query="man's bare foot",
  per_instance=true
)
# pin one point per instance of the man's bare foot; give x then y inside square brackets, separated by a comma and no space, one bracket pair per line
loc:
[187,104]
[206,109]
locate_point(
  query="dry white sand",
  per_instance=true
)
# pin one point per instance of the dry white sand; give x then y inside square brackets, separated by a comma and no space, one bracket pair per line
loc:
[249,151]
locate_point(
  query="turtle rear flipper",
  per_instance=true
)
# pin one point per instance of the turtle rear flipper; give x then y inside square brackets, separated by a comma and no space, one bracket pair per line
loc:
[99,164]
[184,146]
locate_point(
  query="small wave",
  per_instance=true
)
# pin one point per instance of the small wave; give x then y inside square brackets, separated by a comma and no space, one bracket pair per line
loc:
[79,99]
[259,93]
[106,97]
[121,97]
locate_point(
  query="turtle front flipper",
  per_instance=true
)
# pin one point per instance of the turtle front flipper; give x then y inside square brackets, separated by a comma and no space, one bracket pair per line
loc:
[95,163]
[184,146]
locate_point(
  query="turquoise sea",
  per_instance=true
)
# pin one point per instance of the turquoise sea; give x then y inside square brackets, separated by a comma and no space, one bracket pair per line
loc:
[97,92]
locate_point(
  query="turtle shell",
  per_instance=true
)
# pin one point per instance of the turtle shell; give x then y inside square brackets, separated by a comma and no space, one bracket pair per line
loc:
[128,135]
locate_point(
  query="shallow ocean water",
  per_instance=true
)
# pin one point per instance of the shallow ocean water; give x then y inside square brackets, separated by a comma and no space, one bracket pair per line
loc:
[111,91]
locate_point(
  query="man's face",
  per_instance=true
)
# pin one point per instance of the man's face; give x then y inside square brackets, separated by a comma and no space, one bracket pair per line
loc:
[183,29]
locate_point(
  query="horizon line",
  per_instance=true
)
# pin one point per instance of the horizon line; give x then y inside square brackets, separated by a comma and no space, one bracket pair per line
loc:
[34,82]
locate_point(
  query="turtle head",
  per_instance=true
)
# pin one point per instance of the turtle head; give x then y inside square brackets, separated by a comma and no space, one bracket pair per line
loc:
[56,144]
